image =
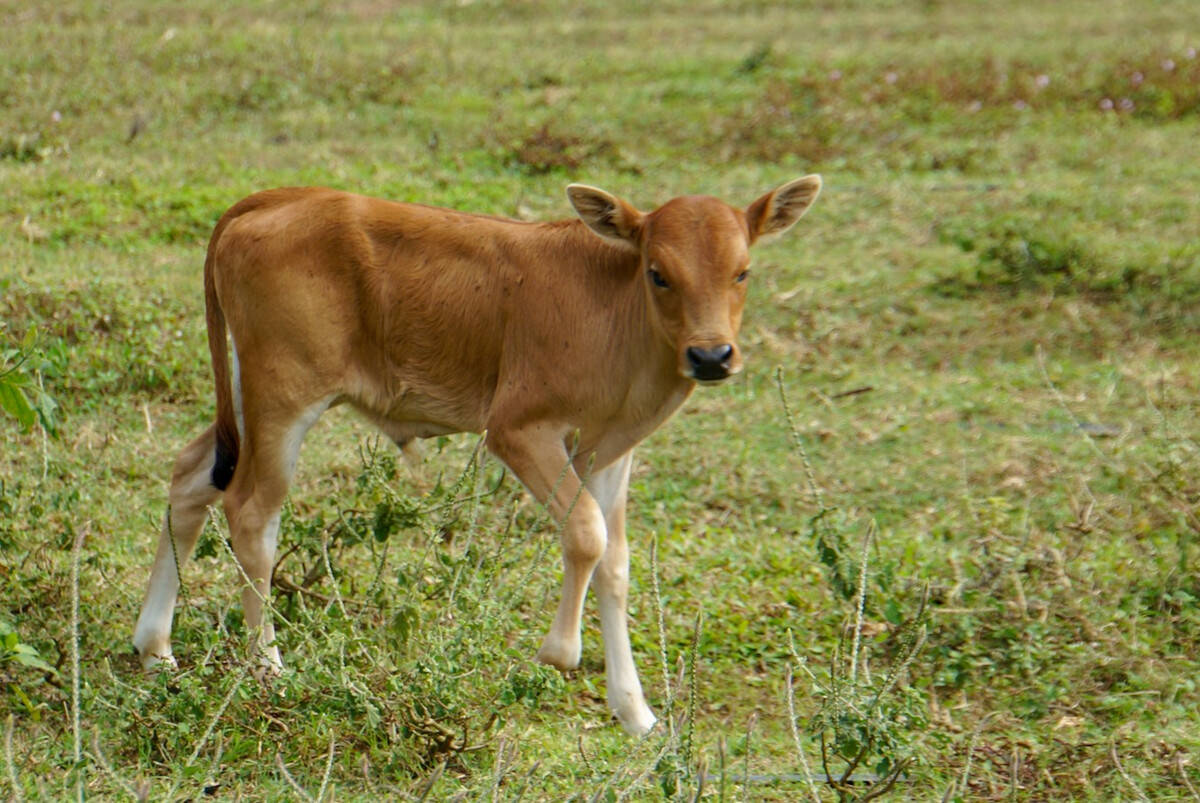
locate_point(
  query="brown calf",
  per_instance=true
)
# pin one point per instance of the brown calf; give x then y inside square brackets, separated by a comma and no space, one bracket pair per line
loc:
[567,342]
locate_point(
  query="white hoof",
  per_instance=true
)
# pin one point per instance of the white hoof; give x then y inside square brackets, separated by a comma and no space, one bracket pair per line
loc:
[270,665]
[154,653]
[635,717]
[158,662]
[560,653]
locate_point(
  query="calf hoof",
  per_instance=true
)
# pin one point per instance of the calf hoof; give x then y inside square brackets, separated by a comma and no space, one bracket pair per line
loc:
[560,654]
[269,665]
[158,662]
[635,717]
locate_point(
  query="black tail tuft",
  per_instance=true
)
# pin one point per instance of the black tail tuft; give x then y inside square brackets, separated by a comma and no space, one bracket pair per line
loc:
[223,466]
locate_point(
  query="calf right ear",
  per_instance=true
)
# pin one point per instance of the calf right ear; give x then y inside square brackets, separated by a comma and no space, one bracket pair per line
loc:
[778,210]
[605,214]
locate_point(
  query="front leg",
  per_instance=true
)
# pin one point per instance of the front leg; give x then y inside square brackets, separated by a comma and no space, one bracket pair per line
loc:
[539,458]
[610,488]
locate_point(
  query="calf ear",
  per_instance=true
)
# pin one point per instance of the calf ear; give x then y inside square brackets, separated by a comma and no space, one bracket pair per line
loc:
[778,210]
[605,214]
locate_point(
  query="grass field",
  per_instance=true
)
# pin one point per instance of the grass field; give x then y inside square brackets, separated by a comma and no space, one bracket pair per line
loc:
[968,539]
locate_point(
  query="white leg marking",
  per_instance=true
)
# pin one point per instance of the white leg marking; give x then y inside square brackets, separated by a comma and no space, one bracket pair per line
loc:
[610,484]
[297,432]
[262,550]
[152,634]
[625,697]
[236,386]
[267,649]
[190,496]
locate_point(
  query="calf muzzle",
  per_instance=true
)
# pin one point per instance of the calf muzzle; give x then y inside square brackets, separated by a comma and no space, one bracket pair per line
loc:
[709,364]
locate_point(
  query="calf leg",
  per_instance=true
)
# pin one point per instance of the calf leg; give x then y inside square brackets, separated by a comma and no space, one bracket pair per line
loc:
[610,488]
[254,528]
[252,504]
[539,458]
[190,495]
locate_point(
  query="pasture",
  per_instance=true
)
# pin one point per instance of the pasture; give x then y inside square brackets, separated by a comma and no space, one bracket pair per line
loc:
[938,541]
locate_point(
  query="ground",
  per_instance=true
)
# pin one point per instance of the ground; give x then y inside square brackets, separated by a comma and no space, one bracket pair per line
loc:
[944,524]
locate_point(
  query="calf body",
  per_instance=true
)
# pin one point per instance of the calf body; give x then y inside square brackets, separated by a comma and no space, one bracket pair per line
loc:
[566,342]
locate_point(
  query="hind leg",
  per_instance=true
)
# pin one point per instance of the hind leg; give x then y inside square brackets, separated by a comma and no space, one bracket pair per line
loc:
[191,493]
[253,501]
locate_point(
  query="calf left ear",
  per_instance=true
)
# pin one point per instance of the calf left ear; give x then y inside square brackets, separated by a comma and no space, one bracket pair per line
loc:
[605,214]
[778,210]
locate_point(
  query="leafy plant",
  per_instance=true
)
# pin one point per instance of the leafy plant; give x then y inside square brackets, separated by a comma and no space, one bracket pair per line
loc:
[877,722]
[13,650]
[20,396]
[17,658]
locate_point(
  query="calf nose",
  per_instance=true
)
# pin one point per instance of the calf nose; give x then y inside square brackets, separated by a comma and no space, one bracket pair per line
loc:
[709,363]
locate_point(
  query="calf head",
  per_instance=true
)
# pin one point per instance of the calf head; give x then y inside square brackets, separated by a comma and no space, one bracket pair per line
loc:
[695,261]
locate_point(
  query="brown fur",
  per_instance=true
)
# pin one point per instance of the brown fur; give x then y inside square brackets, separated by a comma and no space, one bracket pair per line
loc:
[432,321]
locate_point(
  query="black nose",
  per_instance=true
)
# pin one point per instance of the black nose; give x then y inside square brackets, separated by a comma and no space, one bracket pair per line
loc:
[710,364]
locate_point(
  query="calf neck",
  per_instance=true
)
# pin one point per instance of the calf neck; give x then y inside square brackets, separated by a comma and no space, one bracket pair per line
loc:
[567,342]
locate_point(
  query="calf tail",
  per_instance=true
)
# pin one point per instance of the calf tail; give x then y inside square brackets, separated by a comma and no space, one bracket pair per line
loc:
[228,441]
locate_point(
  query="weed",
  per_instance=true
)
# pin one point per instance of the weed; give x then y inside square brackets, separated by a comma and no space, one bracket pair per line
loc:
[877,723]
[20,397]
[17,657]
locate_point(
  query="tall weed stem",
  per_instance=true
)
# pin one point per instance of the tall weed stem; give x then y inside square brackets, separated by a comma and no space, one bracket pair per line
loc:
[76,730]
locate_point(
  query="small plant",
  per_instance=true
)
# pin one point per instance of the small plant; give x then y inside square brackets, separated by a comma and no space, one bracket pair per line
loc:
[870,726]
[16,657]
[865,722]
[20,396]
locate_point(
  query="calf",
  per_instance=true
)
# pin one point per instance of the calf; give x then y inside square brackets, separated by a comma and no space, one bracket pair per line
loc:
[568,342]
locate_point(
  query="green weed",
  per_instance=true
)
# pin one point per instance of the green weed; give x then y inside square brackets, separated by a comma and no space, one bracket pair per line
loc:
[20,397]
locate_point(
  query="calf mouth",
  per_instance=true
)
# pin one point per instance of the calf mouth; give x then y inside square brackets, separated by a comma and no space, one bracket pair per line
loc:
[710,374]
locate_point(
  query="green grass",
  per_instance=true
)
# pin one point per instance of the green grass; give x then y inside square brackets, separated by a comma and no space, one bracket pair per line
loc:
[985,331]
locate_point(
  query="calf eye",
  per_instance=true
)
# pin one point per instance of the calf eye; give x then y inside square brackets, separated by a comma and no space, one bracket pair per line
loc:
[658,279]
[741,277]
